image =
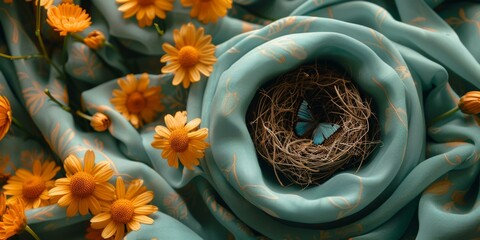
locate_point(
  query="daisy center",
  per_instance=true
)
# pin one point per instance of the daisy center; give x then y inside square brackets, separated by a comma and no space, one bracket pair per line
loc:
[188,56]
[145,2]
[179,140]
[68,21]
[122,211]
[82,184]
[135,102]
[33,187]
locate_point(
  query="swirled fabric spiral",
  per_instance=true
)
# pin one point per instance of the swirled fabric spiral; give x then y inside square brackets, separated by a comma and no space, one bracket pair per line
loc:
[414,58]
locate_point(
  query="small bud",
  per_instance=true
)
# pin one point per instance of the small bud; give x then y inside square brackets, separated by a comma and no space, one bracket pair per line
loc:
[94,40]
[100,122]
[470,102]
[45,3]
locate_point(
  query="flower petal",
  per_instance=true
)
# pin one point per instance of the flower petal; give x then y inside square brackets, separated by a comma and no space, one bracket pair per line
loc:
[143,219]
[120,188]
[89,161]
[72,164]
[146,210]
[143,199]
[104,191]
[109,230]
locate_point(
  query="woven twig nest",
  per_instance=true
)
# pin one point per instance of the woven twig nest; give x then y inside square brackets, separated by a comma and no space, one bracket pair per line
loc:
[332,98]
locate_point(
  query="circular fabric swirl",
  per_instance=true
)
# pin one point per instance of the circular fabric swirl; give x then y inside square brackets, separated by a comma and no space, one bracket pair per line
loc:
[350,203]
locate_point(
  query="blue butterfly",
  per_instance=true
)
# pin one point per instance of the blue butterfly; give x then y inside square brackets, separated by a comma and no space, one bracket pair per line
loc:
[306,122]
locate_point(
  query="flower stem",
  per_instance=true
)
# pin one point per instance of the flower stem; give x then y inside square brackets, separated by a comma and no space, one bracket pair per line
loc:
[40,39]
[83,115]
[444,115]
[17,123]
[77,37]
[64,107]
[63,55]
[159,30]
[29,230]
[108,44]
[20,57]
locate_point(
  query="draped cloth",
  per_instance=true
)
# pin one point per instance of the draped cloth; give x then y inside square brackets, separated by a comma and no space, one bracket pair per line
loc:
[414,58]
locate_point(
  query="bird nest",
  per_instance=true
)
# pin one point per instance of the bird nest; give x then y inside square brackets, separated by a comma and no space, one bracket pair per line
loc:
[332,98]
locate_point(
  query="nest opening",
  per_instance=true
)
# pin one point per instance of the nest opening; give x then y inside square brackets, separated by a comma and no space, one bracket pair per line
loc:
[332,98]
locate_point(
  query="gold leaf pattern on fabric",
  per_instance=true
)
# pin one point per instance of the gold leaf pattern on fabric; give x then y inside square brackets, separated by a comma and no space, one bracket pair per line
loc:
[440,187]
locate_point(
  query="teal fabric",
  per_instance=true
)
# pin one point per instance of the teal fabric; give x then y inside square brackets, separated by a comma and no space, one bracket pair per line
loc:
[414,58]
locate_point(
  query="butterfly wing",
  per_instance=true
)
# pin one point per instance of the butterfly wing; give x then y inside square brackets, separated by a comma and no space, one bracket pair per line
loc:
[304,114]
[302,128]
[305,120]
[323,131]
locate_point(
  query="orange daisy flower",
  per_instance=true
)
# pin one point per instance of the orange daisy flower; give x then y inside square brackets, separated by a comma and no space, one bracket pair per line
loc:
[136,101]
[85,187]
[32,187]
[145,10]
[193,54]
[128,210]
[181,140]
[5,116]
[208,11]
[14,220]
[68,18]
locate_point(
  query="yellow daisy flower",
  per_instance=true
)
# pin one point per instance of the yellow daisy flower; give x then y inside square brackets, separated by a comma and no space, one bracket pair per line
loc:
[181,140]
[68,18]
[32,187]
[145,10]
[14,220]
[5,116]
[128,210]
[85,187]
[193,54]
[136,101]
[208,11]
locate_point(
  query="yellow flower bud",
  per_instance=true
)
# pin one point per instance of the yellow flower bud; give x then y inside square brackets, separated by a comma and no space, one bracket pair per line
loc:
[100,122]
[5,116]
[95,40]
[470,102]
